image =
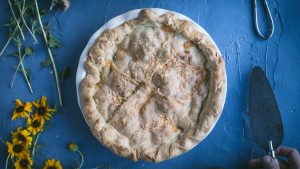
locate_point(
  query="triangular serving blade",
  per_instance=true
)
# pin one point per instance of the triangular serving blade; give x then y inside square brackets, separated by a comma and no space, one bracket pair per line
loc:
[266,123]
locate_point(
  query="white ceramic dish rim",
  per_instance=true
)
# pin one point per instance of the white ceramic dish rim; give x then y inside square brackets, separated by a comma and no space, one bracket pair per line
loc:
[115,22]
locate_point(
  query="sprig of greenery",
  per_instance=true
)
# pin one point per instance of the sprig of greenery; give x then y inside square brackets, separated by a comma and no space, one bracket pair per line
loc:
[48,50]
[16,20]
[29,10]
[10,37]
[16,25]
[27,52]
[21,57]
[22,10]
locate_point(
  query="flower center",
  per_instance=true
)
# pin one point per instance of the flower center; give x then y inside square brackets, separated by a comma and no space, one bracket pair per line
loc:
[19,109]
[51,167]
[35,124]
[41,111]
[21,137]
[24,163]
[17,148]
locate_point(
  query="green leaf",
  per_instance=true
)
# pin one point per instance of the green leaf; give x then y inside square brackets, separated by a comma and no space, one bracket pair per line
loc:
[20,69]
[17,41]
[34,23]
[53,42]
[39,30]
[12,22]
[34,26]
[30,8]
[28,75]
[65,74]
[46,62]
[43,12]
[18,4]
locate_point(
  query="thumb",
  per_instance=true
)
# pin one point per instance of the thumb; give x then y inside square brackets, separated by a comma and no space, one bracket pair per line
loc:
[270,163]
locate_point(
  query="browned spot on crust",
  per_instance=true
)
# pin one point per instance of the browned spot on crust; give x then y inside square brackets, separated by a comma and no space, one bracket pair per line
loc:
[166,28]
[120,54]
[202,77]
[187,45]
[187,52]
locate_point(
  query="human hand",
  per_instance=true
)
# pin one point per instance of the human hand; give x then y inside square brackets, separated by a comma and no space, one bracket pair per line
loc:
[267,162]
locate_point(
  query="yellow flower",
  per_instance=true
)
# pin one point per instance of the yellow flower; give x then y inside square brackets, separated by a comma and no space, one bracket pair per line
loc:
[73,147]
[52,164]
[23,162]
[21,110]
[42,110]
[22,137]
[35,124]
[17,149]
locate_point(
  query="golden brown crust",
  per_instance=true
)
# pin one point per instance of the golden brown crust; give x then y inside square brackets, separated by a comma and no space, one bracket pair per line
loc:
[134,91]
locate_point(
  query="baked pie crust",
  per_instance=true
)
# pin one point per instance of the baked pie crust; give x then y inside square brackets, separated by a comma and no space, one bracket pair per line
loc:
[155,87]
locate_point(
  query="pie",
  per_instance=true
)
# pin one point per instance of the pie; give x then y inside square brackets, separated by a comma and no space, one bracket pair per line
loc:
[155,87]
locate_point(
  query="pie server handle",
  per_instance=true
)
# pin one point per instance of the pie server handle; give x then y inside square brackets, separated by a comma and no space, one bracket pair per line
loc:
[271,149]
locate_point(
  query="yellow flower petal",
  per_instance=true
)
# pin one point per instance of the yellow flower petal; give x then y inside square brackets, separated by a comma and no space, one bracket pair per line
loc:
[14,116]
[24,115]
[35,104]
[43,101]
[28,107]
[50,110]
[18,102]
[52,163]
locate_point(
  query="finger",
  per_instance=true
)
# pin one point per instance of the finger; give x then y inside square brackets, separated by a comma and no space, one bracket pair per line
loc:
[282,163]
[291,153]
[255,163]
[270,163]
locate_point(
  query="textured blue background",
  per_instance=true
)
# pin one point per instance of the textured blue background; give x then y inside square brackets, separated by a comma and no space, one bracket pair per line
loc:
[230,24]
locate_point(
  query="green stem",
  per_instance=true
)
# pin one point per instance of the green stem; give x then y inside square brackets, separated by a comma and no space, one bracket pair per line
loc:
[15,73]
[24,71]
[49,51]
[6,163]
[22,11]
[82,159]
[8,41]
[15,18]
[34,145]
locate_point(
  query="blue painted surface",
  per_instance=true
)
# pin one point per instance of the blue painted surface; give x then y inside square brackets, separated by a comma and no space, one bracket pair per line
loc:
[229,23]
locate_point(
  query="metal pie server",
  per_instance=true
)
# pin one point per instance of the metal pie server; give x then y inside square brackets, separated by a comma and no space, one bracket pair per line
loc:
[265,118]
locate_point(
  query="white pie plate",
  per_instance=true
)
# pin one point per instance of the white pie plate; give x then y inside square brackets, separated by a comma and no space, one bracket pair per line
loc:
[115,22]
